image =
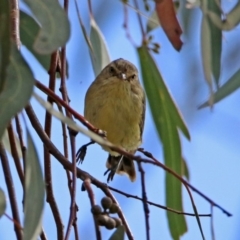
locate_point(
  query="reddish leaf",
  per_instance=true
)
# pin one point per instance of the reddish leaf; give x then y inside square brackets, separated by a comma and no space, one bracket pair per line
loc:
[167,17]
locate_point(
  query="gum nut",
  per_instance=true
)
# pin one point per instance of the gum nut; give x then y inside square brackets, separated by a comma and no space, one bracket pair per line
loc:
[96,210]
[106,202]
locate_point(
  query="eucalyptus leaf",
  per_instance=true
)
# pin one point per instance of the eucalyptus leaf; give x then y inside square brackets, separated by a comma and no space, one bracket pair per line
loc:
[99,56]
[167,120]
[3,203]
[55,25]
[17,90]
[34,193]
[118,234]
[152,22]
[29,29]
[226,89]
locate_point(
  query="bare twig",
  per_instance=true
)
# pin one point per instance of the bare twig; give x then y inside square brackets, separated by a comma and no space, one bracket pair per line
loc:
[212,224]
[68,165]
[63,89]
[15,22]
[87,185]
[144,197]
[47,158]
[140,22]
[11,190]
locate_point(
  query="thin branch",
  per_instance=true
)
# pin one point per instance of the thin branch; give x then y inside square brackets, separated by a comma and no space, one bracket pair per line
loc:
[212,224]
[11,190]
[47,158]
[68,165]
[90,8]
[157,163]
[63,89]
[144,197]
[87,185]
[140,22]
[15,22]
[122,151]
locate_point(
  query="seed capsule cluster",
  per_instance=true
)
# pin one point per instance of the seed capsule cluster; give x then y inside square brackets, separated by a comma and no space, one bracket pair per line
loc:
[102,215]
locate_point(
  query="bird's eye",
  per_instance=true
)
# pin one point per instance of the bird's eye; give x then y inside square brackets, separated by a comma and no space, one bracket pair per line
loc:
[112,70]
[133,76]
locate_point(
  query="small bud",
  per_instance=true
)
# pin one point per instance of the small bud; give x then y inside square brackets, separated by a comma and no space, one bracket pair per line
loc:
[106,202]
[118,221]
[114,208]
[102,219]
[96,210]
[111,223]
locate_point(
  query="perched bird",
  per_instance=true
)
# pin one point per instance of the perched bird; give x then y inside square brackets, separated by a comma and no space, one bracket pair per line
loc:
[115,103]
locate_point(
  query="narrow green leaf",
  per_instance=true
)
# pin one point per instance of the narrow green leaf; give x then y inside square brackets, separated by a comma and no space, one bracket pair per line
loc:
[17,90]
[5,43]
[6,143]
[55,29]
[225,90]
[118,234]
[230,21]
[34,193]
[167,120]
[100,57]
[3,203]
[198,220]
[216,41]
[206,49]
[28,32]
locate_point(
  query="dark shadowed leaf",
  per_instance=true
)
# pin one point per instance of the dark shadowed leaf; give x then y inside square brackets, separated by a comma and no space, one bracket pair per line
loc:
[226,89]
[167,120]
[17,90]
[28,32]
[3,203]
[99,56]
[118,234]
[5,42]
[34,193]
[55,29]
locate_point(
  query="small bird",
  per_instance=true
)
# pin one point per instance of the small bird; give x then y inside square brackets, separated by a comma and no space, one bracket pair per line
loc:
[115,103]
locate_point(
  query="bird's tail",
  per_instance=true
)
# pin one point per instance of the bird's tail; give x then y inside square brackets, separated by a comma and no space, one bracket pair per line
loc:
[121,165]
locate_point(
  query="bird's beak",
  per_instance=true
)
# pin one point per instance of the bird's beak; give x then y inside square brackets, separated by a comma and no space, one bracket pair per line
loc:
[122,76]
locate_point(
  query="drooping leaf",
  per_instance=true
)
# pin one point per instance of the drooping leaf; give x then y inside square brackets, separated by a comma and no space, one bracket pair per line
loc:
[216,41]
[207,54]
[3,203]
[5,42]
[55,26]
[167,120]
[34,193]
[28,32]
[17,89]
[100,57]
[169,22]
[226,89]
[154,22]
[230,21]
[118,234]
